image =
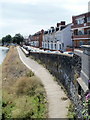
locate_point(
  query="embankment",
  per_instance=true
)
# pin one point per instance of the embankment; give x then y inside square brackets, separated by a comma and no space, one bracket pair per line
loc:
[23,93]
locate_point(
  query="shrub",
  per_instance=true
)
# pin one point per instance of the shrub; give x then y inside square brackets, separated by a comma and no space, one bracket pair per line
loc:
[28,86]
[29,74]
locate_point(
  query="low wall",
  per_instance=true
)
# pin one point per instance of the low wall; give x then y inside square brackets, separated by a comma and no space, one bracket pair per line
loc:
[66,69]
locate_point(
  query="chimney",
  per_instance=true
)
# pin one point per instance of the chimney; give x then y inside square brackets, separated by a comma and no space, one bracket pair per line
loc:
[58,24]
[42,31]
[52,27]
[61,23]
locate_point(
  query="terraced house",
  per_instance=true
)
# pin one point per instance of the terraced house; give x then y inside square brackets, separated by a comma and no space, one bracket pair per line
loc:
[57,38]
[81,29]
[36,39]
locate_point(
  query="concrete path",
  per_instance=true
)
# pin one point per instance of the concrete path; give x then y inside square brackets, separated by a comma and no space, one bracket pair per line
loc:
[57,108]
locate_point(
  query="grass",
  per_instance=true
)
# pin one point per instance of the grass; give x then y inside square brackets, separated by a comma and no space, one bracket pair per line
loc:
[71,113]
[0,91]
[26,100]
[23,93]
[29,74]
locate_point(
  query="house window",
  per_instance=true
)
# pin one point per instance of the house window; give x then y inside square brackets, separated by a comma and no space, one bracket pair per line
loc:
[88,31]
[48,45]
[45,45]
[81,43]
[60,46]
[52,46]
[55,46]
[81,32]
[88,19]
[75,32]
[80,21]
[89,42]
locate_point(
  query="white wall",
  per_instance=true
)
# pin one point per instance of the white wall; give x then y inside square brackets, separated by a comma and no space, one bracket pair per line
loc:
[34,43]
[66,36]
[57,39]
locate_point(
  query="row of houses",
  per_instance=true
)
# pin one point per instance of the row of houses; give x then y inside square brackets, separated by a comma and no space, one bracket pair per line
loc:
[64,35]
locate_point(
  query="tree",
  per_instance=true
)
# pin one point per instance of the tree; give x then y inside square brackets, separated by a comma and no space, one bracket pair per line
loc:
[6,39]
[3,40]
[18,38]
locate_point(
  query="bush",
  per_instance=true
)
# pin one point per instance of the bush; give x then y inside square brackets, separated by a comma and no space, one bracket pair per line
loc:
[29,74]
[28,86]
[23,94]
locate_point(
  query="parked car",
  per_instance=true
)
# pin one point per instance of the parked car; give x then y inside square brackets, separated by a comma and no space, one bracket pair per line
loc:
[71,53]
[41,50]
[25,47]
[48,51]
[56,52]
[28,48]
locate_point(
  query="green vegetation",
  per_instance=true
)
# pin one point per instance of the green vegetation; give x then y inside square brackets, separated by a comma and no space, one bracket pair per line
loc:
[86,106]
[23,93]
[71,113]
[0,91]
[29,74]
[18,38]
[6,39]
[26,99]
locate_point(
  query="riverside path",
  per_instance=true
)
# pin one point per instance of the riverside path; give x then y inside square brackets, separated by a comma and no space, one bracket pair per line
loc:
[57,108]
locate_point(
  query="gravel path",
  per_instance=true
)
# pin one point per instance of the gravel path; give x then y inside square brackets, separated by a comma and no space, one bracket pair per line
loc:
[57,108]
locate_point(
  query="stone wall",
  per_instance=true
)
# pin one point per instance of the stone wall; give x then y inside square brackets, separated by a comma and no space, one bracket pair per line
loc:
[66,69]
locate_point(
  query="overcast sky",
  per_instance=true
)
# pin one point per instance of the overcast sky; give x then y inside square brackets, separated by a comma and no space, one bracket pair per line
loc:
[29,16]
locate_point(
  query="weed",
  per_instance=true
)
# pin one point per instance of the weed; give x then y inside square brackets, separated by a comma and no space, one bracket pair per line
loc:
[23,93]
[29,74]
[71,113]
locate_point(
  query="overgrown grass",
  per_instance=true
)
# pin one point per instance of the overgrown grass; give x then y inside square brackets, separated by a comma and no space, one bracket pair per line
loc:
[23,93]
[26,100]
[0,91]
[71,113]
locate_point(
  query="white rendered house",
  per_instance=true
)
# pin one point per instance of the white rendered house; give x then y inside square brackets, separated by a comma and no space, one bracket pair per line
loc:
[57,38]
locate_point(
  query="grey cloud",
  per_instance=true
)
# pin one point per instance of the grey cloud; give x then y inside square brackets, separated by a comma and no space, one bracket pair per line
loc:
[38,14]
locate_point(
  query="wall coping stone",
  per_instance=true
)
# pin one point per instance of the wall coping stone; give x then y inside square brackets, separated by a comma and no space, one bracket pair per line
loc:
[78,52]
[82,83]
[86,47]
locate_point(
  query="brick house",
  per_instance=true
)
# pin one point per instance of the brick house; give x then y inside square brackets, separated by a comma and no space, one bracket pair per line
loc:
[36,39]
[81,29]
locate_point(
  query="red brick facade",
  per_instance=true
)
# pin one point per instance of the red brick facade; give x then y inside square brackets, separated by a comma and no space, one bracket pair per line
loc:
[37,37]
[81,29]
